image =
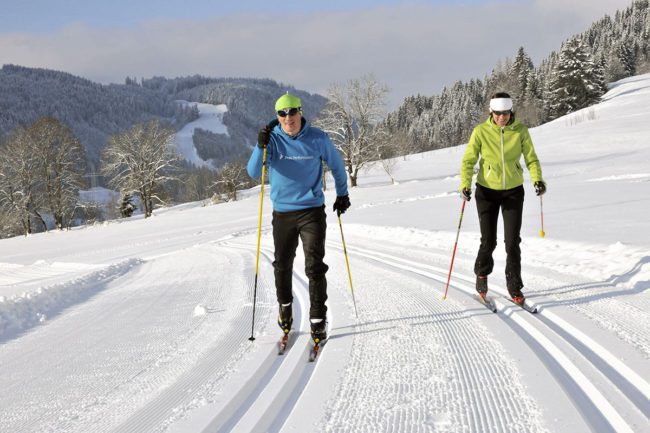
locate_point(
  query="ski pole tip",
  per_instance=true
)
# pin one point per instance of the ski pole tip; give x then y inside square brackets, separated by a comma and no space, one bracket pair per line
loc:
[251,339]
[541,233]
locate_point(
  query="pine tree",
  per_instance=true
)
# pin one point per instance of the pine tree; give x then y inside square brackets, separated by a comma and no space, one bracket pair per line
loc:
[520,72]
[576,82]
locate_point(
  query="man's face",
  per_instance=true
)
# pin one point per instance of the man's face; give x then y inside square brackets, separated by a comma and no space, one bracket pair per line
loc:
[291,120]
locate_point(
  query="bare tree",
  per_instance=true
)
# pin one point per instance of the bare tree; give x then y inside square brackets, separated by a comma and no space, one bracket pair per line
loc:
[197,184]
[61,167]
[140,160]
[9,225]
[352,118]
[18,179]
[231,178]
[389,164]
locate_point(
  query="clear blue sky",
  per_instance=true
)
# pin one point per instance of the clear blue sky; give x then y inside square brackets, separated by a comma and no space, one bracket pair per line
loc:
[413,47]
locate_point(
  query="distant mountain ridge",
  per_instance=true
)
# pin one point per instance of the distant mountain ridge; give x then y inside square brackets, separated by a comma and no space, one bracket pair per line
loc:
[250,103]
[94,111]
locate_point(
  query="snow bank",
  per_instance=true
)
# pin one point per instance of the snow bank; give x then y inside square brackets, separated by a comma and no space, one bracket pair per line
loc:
[18,313]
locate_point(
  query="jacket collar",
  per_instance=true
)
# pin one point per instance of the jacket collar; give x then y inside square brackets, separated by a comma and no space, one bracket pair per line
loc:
[511,125]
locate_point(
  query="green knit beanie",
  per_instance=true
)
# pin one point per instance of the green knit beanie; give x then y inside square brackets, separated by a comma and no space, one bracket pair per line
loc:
[287,101]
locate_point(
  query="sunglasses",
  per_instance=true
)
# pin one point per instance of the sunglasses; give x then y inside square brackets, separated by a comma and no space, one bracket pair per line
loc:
[289,112]
[501,113]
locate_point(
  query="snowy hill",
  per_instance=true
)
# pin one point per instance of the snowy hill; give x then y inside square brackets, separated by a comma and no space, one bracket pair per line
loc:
[210,119]
[143,325]
[94,111]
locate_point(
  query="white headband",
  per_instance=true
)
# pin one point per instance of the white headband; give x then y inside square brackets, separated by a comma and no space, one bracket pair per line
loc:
[500,104]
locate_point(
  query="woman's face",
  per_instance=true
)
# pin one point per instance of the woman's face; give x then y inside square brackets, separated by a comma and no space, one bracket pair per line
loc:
[501,118]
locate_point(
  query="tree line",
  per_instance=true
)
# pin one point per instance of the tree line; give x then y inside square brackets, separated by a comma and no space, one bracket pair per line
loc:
[566,81]
[42,166]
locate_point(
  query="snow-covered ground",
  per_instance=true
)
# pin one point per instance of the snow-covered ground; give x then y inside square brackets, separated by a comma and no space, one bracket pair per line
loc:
[143,325]
[210,119]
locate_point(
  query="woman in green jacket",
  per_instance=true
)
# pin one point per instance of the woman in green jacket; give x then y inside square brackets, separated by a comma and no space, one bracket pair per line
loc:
[498,145]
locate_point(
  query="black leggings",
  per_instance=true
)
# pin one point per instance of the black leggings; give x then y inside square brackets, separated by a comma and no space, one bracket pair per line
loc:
[511,203]
[310,226]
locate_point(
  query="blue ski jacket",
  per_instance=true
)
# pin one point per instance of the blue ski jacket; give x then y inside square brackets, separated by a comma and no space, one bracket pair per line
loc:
[296,169]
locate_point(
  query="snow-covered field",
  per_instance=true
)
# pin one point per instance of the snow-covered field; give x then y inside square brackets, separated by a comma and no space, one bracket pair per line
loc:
[143,325]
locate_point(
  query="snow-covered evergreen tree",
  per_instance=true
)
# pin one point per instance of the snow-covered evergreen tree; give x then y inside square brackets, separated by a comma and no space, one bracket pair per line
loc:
[577,81]
[520,75]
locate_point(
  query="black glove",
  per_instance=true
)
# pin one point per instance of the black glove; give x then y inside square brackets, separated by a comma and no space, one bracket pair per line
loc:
[341,204]
[540,187]
[263,137]
[466,194]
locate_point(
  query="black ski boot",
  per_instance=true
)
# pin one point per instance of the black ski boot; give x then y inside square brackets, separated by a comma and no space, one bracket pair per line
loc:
[514,289]
[518,297]
[482,285]
[318,330]
[285,317]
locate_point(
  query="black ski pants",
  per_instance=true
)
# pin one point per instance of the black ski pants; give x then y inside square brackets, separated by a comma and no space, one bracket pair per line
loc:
[310,226]
[511,204]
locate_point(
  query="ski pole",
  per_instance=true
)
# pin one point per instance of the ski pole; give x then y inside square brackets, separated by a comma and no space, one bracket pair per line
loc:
[541,211]
[347,263]
[259,235]
[460,221]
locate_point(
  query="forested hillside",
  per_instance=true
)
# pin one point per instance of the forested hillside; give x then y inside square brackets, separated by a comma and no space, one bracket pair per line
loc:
[92,135]
[91,110]
[573,78]
[94,111]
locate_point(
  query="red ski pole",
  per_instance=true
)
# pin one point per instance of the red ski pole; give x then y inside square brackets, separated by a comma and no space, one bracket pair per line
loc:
[460,221]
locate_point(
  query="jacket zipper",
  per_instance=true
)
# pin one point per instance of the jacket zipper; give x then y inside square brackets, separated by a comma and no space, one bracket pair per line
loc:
[503,161]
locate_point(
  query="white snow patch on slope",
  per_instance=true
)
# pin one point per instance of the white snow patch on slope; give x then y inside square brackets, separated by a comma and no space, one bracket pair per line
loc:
[210,119]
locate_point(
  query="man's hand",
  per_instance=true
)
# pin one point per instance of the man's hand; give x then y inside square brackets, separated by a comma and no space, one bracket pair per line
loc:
[540,187]
[263,137]
[341,204]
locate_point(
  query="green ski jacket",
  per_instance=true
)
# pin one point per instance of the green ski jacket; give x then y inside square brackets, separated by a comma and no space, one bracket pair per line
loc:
[500,150]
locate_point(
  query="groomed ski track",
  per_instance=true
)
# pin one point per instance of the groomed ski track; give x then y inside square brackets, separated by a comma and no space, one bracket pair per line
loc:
[486,390]
[265,399]
[610,395]
[411,362]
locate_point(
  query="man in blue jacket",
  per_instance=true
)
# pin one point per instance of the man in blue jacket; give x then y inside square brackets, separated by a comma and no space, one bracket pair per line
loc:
[295,155]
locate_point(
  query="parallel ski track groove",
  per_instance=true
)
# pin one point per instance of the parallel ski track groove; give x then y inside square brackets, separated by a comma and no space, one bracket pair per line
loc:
[479,395]
[176,395]
[292,364]
[598,400]
[616,315]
